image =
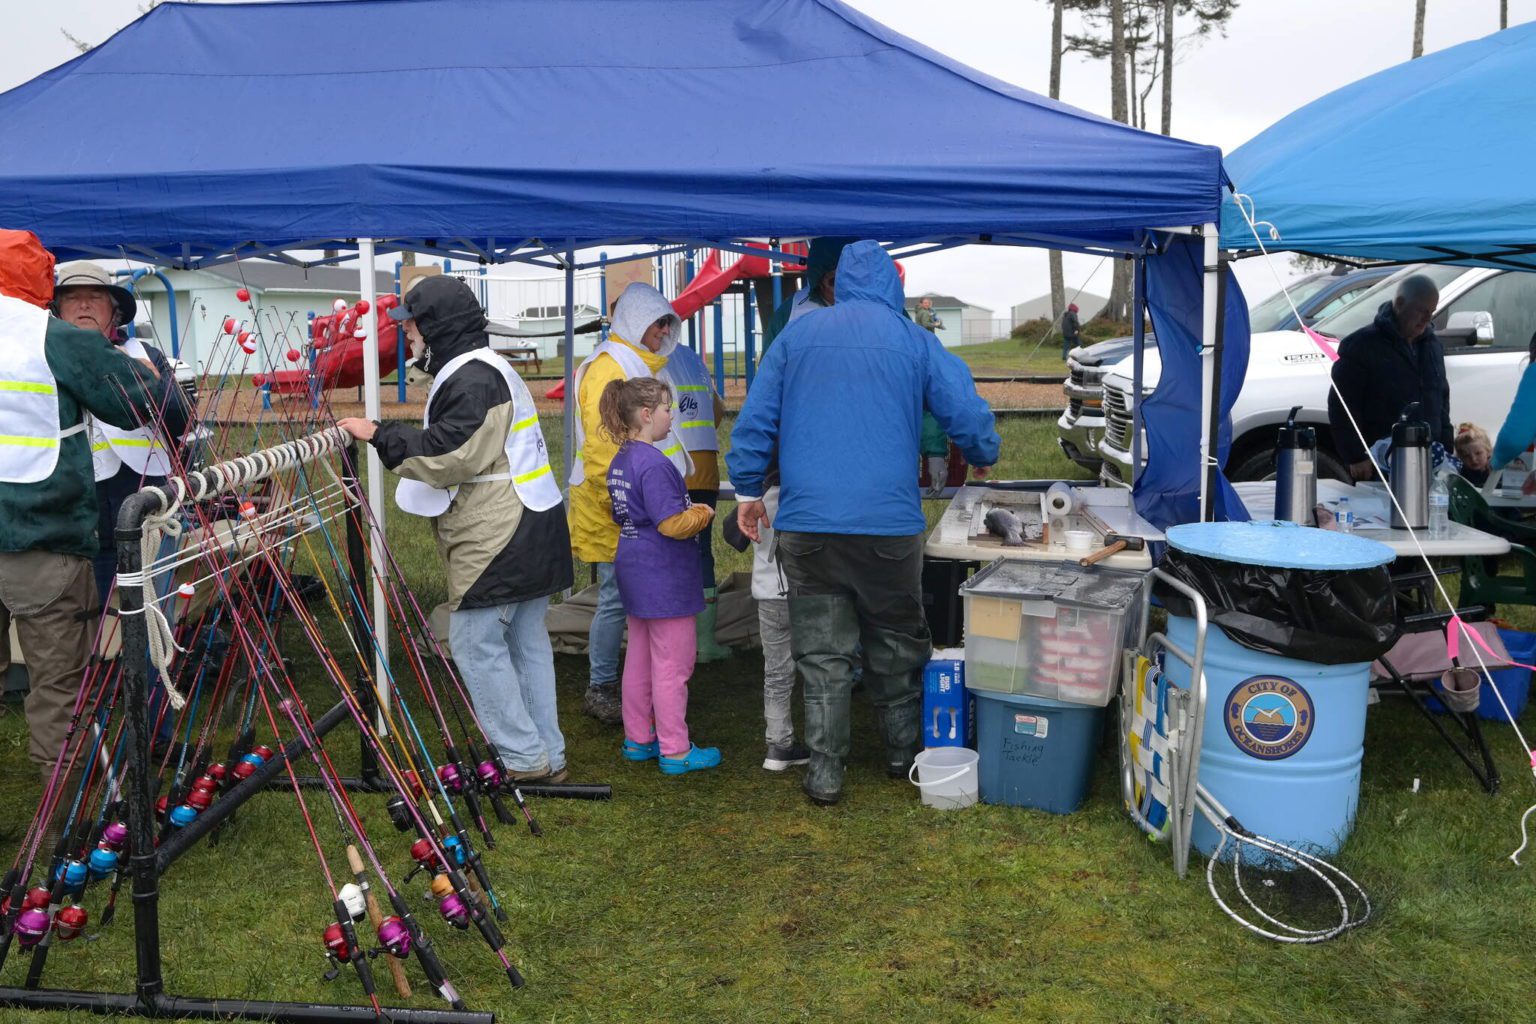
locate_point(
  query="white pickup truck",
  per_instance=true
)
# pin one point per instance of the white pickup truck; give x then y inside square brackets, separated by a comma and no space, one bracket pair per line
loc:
[1485,323]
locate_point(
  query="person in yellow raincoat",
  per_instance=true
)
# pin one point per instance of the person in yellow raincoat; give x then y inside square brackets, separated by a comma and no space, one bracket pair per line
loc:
[643,334]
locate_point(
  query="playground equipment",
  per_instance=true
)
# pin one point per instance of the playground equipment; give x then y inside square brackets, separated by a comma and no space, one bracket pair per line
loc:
[336,349]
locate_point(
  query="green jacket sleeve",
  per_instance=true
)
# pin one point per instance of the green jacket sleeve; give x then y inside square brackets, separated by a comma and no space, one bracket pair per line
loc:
[934,442]
[110,385]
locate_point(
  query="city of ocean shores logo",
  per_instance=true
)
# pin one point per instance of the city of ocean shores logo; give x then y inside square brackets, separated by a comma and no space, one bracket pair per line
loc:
[1269,717]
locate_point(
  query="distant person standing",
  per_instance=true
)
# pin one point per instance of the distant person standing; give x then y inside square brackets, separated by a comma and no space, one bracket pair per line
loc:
[1070,331]
[925,317]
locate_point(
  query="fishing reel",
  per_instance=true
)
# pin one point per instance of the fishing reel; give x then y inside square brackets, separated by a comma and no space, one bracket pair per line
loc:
[454,911]
[259,755]
[451,778]
[399,813]
[337,950]
[351,895]
[114,836]
[73,874]
[69,923]
[489,775]
[395,938]
[103,861]
[31,927]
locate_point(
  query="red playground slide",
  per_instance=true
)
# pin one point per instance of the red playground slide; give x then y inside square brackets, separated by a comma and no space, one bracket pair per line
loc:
[337,341]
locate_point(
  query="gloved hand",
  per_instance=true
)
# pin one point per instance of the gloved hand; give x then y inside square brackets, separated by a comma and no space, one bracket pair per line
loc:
[938,475]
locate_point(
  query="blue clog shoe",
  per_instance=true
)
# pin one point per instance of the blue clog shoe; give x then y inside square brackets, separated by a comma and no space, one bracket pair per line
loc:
[697,759]
[641,751]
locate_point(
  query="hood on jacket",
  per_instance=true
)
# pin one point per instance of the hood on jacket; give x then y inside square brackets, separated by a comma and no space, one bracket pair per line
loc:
[640,306]
[449,317]
[26,268]
[866,271]
[1386,323]
[822,259]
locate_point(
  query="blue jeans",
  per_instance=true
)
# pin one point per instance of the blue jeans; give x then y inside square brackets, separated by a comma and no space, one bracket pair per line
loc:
[706,537]
[605,642]
[504,656]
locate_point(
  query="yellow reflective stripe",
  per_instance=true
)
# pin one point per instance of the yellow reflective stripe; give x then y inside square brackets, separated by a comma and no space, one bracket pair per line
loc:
[30,387]
[531,421]
[698,423]
[135,442]
[29,442]
[672,451]
[523,478]
[100,446]
[692,387]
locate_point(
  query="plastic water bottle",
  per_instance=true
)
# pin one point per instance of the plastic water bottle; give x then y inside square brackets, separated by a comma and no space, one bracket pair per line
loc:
[1439,507]
[1344,516]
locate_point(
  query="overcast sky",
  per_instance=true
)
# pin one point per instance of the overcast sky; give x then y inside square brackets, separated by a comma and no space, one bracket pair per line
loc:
[1277,55]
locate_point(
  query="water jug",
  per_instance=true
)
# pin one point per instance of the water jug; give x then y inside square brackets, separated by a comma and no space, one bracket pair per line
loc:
[1296,472]
[1409,471]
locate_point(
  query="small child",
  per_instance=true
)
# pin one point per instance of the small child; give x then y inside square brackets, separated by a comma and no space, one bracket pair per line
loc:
[657,569]
[1474,450]
[771,592]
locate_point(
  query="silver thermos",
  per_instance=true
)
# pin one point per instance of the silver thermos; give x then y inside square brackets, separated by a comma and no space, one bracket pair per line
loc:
[1296,472]
[1409,471]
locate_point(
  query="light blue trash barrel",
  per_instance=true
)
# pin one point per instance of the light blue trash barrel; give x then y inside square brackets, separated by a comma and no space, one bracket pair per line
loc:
[1283,738]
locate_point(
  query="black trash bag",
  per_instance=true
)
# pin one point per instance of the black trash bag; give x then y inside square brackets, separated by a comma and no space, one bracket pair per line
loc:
[1327,617]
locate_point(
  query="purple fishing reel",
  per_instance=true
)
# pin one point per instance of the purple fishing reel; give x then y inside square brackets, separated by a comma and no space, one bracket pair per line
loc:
[490,775]
[115,836]
[395,938]
[31,926]
[453,910]
[449,776]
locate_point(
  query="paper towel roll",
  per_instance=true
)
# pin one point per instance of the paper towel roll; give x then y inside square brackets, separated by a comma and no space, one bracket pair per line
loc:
[1059,500]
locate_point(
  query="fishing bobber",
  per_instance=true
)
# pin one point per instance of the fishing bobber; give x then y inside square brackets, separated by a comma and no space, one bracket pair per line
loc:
[115,835]
[394,937]
[243,294]
[200,800]
[294,355]
[351,896]
[247,510]
[73,873]
[490,775]
[69,923]
[441,886]
[31,926]
[230,325]
[453,910]
[339,305]
[102,862]
[37,898]
[183,815]
[336,942]
[399,812]
[449,776]
[361,307]
[185,592]
[259,380]
[246,342]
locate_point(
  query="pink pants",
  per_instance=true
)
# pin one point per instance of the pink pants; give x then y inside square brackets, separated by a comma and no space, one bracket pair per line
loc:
[657,665]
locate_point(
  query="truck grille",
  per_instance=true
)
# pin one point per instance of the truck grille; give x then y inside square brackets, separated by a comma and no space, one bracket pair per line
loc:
[1117,419]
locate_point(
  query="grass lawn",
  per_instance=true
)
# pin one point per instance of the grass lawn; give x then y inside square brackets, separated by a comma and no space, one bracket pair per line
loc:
[724,896]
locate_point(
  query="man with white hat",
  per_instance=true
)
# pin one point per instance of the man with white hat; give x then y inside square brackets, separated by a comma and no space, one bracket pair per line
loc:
[86,296]
[52,376]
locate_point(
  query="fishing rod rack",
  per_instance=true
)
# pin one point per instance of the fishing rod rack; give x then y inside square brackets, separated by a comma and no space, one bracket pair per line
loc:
[148,862]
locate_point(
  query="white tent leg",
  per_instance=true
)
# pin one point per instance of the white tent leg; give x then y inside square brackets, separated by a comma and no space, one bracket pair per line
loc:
[1207,364]
[570,411]
[368,289]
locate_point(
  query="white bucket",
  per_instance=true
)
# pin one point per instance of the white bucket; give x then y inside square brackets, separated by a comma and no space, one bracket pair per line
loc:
[947,776]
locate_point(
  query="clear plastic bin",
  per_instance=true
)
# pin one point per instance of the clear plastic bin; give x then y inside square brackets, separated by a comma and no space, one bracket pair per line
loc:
[1049,629]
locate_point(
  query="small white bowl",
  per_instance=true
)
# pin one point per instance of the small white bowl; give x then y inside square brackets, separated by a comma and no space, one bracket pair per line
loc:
[1079,540]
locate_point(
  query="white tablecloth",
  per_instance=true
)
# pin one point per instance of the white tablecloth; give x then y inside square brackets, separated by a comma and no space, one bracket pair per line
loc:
[1110,505]
[1371,500]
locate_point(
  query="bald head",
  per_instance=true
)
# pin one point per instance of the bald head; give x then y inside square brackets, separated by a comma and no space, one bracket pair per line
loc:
[1414,305]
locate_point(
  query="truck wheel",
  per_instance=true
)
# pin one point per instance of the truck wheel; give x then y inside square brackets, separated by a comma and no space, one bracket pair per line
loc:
[1261,466]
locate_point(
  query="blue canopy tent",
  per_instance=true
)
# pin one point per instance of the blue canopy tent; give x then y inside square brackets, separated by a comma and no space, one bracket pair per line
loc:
[1428,161]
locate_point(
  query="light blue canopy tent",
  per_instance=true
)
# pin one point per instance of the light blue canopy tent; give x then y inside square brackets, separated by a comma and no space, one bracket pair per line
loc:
[1428,161]
[529,129]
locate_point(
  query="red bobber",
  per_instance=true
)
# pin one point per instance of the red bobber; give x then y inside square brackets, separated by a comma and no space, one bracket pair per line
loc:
[259,379]
[339,305]
[243,294]
[37,898]
[294,355]
[361,307]
[69,923]
[229,325]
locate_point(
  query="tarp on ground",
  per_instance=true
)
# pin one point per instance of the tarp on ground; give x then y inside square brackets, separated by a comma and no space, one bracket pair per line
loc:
[480,125]
[1428,160]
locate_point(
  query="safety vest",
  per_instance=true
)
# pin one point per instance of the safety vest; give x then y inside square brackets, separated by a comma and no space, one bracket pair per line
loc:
[29,397]
[633,366]
[140,450]
[693,404]
[527,457]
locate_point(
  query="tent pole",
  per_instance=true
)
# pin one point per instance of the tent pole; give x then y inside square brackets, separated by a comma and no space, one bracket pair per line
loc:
[570,360]
[1138,361]
[368,289]
[1210,338]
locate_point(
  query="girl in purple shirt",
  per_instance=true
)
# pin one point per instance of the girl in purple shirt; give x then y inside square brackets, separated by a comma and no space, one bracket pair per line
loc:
[657,567]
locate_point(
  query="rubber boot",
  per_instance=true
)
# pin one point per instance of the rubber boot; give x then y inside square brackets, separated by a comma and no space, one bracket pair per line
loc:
[704,624]
[901,729]
[823,783]
[824,630]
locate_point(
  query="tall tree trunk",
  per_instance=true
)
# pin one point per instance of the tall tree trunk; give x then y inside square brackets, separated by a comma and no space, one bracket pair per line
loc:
[1503,15]
[1058,278]
[1120,281]
[1418,29]
[1167,67]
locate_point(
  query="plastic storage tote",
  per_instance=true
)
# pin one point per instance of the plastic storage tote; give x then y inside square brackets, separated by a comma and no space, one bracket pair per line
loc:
[1036,752]
[1049,629]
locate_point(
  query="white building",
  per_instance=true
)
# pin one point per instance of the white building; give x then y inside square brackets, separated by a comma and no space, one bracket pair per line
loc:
[963,323]
[283,297]
[1039,308]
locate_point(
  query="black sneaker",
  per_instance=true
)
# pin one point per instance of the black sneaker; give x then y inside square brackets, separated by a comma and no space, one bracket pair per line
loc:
[604,704]
[780,758]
